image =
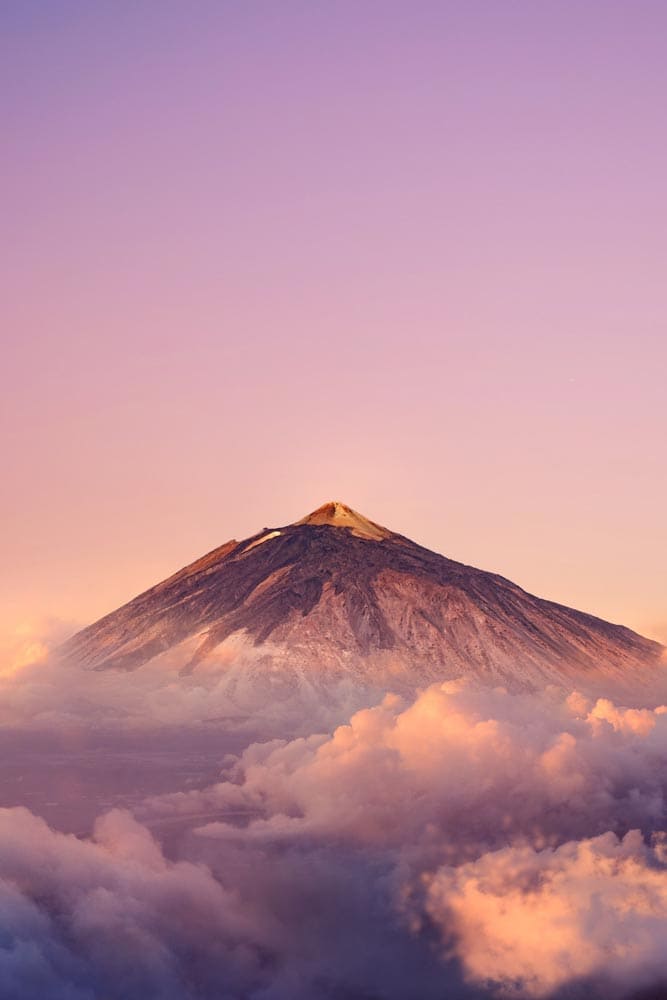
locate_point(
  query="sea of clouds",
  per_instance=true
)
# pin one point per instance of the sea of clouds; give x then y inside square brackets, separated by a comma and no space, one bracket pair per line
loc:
[464,843]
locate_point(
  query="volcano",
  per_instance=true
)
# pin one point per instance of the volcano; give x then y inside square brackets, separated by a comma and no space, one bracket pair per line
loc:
[336,599]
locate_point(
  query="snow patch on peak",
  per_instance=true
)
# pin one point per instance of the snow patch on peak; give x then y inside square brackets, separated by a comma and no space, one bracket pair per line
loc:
[262,539]
[339,515]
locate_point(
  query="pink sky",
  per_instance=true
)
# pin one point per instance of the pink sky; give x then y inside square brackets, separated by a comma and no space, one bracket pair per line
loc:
[410,256]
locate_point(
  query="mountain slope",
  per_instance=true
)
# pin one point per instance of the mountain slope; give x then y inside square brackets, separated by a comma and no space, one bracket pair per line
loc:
[336,599]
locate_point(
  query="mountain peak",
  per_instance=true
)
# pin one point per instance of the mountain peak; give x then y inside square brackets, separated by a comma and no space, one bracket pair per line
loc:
[338,515]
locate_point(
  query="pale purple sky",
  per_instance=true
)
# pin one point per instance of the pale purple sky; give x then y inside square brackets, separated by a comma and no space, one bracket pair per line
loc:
[411,256]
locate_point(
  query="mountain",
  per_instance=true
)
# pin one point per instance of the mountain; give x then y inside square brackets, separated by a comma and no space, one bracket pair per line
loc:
[336,601]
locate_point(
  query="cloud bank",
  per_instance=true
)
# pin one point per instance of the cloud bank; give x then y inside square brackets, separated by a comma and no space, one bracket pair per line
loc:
[112,917]
[454,776]
[462,768]
[237,686]
[41,690]
[467,843]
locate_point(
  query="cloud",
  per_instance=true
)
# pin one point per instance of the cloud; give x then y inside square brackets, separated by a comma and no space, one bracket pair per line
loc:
[238,686]
[489,810]
[460,768]
[533,921]
[111,917]
[468,842]
[41,689]
[29,643]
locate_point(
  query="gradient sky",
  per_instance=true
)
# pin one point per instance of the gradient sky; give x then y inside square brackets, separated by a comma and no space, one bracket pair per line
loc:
[259,255]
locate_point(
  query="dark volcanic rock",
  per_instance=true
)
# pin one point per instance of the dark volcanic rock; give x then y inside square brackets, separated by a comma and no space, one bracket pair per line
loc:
[337,597]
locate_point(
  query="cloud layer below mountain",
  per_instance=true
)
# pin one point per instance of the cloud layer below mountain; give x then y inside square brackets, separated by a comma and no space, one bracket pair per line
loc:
[41,690]
[470,842]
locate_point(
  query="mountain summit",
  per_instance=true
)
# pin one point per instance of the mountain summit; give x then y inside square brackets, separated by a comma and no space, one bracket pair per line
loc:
[339,515]
[335,599]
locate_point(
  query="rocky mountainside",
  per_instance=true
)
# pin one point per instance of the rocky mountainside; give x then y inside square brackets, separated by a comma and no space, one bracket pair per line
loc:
[336,600]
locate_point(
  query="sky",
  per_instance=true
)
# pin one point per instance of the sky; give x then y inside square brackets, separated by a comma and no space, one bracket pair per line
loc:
[258,256]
